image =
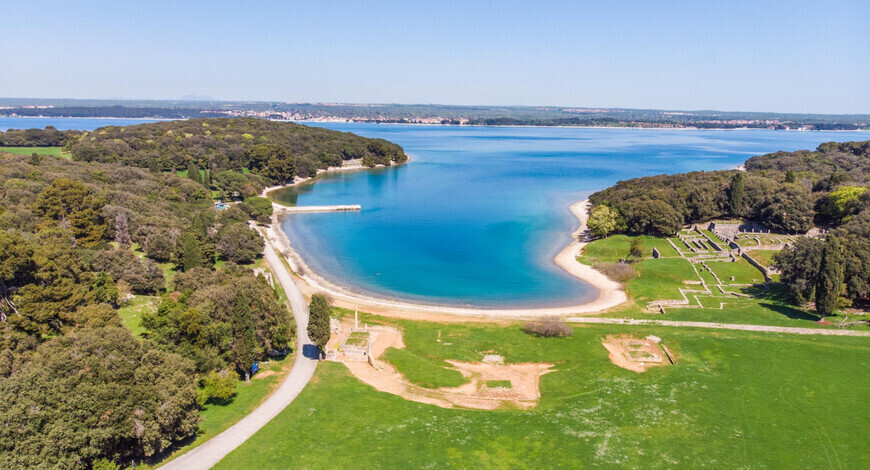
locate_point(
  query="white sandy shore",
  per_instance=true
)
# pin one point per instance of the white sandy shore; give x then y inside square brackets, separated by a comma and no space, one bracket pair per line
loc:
[349,165]
[610,292]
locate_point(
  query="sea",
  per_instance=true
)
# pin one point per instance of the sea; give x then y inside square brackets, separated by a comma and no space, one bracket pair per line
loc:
[478,214]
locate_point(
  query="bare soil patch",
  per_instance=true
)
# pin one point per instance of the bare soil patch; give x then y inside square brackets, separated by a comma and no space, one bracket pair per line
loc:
[524,379]
[637,354]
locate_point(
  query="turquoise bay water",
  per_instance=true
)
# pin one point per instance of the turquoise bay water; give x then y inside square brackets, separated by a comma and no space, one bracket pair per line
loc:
[478,215]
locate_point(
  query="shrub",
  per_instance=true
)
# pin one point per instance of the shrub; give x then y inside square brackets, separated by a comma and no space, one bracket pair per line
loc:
[619,272]
[548,327]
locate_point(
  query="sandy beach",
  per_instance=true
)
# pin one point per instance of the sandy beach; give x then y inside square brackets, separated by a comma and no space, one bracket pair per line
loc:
[610,293]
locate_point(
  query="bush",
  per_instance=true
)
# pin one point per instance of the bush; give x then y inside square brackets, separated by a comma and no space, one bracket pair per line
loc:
[619,272]
[548,327]
[217,387]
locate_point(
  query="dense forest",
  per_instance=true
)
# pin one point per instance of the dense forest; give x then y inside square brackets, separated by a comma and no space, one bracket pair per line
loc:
[785,191]
[76,240]
[275,151]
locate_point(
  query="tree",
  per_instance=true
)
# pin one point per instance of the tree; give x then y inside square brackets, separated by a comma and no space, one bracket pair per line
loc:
[104,289]
[602,222]
[217,386]
[799,265]
[95,393]
[789,210]
[16,269]
[735,194]
[206,179]
[829,284]
[239,244]
[244,341]
[193,173]
[191,253]
[228,183]
[318,321]
[636,249]
[160,244]
[72,203]
[790,176]
[259,209]
[122,229]
[652,217]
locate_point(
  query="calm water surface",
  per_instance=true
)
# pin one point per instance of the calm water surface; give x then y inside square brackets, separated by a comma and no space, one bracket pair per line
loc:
[478,215]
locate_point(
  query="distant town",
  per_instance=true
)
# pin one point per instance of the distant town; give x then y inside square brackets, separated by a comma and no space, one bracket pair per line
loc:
[431,114]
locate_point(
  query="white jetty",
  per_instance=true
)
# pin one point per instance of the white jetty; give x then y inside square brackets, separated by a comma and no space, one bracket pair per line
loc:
[300,209]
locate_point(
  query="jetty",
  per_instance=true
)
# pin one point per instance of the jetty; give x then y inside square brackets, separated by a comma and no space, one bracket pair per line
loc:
[301,209]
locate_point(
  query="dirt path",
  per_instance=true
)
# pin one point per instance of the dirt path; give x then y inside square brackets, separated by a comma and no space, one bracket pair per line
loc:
[719,326]
[212,451]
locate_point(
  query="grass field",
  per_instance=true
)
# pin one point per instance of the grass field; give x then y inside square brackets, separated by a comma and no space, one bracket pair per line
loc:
[765,257]
[52,151]
[734,399]
[614,248]
[741,271]
[424,371]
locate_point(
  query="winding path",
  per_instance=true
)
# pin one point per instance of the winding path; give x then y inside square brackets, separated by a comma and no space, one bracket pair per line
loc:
[212,451]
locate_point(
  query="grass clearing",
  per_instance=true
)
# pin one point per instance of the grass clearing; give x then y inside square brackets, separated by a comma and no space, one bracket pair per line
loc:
[660,279]
[733,399]
[132,310]
[616,247]
[741,271]
[45,151]
[765,257]
[499,384]
[422,370]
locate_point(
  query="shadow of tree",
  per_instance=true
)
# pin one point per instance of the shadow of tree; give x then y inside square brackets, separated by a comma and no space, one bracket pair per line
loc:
[779,301]
[790,312]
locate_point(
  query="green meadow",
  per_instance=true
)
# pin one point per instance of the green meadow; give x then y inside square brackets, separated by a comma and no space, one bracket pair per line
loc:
[52,151]
[733,399]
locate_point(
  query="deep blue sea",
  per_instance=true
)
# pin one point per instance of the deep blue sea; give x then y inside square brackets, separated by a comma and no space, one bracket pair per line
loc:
[478,215]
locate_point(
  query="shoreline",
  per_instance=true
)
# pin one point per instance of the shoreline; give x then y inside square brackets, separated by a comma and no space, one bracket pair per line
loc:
[356,165]
[610,293]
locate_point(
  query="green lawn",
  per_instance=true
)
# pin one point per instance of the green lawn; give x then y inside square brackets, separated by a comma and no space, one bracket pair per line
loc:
[424,371]
[52,151]
[765,257]
[132,310]
[742,271]
[615,247]
[660,279]
[733,400]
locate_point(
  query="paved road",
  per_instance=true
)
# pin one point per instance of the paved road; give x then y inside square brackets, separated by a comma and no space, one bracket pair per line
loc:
[720,326]
[210,453]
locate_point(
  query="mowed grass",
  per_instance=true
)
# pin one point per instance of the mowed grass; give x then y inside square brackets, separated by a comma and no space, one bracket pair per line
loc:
[733,400]
[52,151]
[660,279]
[132,310]
[616,247]
[424,371]
[741,271]
[765,257]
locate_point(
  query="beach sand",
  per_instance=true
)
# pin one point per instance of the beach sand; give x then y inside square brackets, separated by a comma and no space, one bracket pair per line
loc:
[610,293]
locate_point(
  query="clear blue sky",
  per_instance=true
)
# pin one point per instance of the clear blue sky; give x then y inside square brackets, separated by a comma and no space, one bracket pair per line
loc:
[734,55]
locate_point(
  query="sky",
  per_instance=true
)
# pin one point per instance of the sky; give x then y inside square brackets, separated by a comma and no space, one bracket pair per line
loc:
[795,56]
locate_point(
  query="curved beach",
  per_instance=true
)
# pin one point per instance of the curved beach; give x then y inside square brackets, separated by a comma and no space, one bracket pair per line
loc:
[610,293]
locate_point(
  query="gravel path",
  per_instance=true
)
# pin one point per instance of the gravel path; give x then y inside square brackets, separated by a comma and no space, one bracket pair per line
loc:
[720,326]
[210,453]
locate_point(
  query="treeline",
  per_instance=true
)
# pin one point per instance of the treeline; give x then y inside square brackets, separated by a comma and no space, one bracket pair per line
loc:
[785,191]
[48,137]
[76,240]
[276,152]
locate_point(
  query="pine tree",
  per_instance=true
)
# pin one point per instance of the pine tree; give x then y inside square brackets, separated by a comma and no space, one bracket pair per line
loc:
[244,341]
[191,256]
[206,179]
[829,284]
[193,173]
[318,321]
[736,194]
